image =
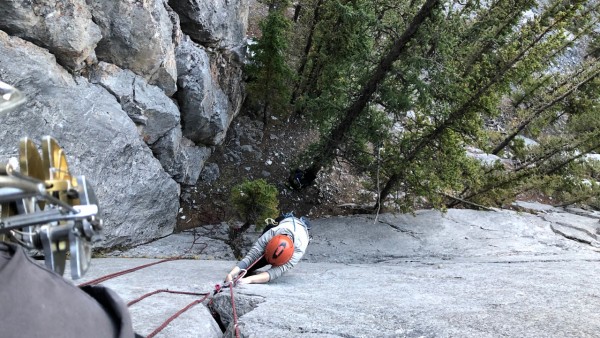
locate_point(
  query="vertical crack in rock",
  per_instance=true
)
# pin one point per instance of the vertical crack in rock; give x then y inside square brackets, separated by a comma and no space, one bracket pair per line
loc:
[223,312]
[174,17]
[217,317]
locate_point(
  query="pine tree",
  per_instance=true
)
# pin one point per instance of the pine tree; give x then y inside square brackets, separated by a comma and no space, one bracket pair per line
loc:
[339,133]
[563,104]
[268,71]
[556,165]
[442,70]
[483,82]
[335,54]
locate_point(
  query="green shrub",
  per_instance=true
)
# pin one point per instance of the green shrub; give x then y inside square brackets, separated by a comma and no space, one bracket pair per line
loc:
[255,201]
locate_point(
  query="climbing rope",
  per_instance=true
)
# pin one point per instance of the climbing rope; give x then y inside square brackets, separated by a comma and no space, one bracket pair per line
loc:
[218,289]
[167,291]
[235,318]
[237,278]
[124,272]
[168,321]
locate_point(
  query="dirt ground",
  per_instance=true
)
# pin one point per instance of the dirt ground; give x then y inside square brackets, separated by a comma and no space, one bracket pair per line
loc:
[251,152]
[256,12]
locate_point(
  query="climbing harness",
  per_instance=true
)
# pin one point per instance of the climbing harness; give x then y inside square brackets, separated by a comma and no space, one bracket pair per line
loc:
[305,222]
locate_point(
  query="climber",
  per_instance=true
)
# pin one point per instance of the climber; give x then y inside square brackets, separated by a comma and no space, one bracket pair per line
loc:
[282,245]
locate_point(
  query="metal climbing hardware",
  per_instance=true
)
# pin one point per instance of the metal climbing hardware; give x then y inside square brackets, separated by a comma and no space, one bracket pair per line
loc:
[271,221]
[44,207]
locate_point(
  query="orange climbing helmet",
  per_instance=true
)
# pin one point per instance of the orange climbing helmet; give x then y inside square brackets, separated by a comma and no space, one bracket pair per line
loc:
[279,250]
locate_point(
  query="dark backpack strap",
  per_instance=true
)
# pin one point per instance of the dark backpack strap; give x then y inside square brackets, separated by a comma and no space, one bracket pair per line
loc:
[268,227]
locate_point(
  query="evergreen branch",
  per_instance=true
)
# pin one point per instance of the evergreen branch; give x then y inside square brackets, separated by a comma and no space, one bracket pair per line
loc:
[541,109]
[339,133]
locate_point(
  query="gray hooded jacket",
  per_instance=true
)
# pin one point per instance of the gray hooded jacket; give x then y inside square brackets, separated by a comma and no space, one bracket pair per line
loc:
[290,226]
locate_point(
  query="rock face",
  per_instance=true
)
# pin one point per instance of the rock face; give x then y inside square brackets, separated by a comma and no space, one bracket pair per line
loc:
[180,157]
[143,41]
[147,106]
[215,23]
[64,27]
[464,273]
[157,119]
[99,138]
[204,105]
[105,81]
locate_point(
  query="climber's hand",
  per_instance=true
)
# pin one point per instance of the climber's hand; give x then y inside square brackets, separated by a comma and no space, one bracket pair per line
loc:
[232,274]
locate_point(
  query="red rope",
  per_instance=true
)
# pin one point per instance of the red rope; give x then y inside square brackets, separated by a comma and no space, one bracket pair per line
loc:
[218,289]
[231,285]
[235,318]
[167,291]
[120,273]
[249,266]
[189,306]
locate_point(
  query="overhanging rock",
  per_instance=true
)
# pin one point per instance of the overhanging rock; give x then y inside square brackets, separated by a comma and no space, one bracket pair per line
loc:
[220,24]
[64,27]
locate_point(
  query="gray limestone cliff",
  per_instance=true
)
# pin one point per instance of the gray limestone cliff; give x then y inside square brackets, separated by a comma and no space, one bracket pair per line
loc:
[133,92]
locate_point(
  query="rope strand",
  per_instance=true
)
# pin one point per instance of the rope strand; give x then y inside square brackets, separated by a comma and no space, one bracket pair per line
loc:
[235,318]
[189,306]
[124,272]
[167,291]
[218,289]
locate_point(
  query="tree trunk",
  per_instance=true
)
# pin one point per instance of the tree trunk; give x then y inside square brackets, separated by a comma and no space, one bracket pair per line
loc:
[297,10]
[340,132]
[266,101]
[456,115]
[307,48]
